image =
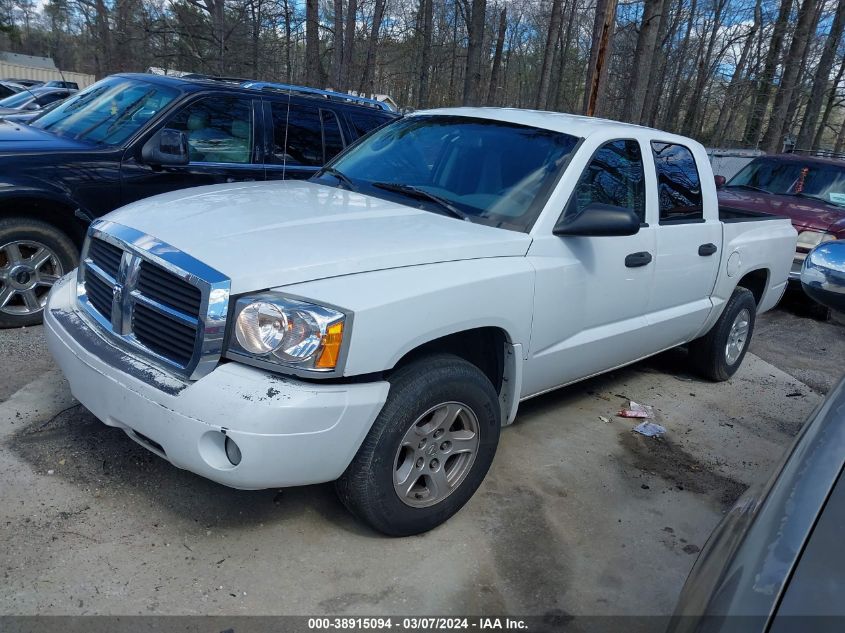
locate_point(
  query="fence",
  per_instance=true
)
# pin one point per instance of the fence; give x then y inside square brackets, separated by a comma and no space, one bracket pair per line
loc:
[17,71]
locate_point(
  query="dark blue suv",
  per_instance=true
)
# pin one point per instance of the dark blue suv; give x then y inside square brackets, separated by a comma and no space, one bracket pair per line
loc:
[131,136]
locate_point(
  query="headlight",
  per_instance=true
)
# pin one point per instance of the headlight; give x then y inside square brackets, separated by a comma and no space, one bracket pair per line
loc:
[811,239]
[272,328]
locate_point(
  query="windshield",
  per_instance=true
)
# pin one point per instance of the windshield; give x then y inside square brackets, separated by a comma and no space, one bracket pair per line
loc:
[16,100]
[792,177]
[485,171]
[108,112]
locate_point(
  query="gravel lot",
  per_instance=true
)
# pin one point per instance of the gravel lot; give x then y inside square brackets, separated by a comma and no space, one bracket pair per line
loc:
[578,516]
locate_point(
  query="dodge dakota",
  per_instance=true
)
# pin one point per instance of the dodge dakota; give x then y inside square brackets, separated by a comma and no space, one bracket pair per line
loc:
[378,325]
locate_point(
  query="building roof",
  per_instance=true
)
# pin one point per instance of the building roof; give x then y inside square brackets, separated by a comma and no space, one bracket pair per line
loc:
[32,61]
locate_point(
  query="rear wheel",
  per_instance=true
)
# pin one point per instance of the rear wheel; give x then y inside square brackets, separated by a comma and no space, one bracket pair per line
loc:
[428,450]
[33,255]
[719,353]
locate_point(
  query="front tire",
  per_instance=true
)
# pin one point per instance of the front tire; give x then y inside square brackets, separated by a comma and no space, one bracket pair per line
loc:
[33,255]
[427,451]
[719,353]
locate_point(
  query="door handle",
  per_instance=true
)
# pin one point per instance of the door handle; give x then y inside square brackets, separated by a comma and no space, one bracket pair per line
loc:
[637,259]
[705,250]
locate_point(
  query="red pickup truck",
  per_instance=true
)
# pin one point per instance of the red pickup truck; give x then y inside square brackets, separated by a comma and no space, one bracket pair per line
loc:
[809,190]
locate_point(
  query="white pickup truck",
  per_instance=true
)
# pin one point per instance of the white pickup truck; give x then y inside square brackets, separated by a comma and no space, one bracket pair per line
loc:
[379,324]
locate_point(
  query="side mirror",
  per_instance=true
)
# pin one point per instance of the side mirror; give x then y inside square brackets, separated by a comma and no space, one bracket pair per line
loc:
[720,181]
[599,220]
[166,147]
[823,274]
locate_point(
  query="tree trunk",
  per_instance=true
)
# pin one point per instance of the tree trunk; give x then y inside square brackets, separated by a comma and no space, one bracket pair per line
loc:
[493,91]
[667,31]
[691,117]
[475,37]
[765,87]
[349,44]
[312,43]
[821,80]
[336,79]
[602,43]
[773,137]
[831,98]
[427,10]
[368,80]
[644,62]
[678,88]
[552,36]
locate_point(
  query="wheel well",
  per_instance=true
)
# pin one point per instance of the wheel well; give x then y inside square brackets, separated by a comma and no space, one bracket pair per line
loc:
[59,215]
[483,347]
[756,281]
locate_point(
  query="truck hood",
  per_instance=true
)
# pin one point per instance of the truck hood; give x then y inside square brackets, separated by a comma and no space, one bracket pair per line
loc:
[803,212]
[264,235]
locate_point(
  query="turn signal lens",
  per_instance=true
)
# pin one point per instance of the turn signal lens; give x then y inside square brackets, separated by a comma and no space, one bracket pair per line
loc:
[331,347]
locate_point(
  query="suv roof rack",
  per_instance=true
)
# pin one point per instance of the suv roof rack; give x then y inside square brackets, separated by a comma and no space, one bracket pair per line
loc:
[817,153]
[326,94]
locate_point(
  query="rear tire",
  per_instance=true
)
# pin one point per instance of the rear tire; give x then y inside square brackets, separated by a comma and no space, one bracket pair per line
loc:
[427,451]
[719,353]
[33,255]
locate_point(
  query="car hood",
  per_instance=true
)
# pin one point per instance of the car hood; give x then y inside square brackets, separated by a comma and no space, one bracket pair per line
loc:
[803,212]
[15,137]
[273,234]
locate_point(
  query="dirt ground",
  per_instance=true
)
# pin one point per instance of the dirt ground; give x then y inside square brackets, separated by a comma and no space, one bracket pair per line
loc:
[578,516]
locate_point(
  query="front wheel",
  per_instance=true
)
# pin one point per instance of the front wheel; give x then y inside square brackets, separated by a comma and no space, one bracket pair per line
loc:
[427,451]
[719,353]
[33,255]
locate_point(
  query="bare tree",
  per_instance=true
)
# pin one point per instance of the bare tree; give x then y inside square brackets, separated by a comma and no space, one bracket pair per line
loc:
[773,138]
[474,16]
[552,36]
[312,43]
[495,72]
[821,79]
[644,60]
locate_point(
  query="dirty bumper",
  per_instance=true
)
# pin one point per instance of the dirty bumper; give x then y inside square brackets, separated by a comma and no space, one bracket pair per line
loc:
[288,432]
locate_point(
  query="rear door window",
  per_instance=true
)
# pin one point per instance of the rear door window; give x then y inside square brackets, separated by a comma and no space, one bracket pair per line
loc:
[311,137]
[678,184]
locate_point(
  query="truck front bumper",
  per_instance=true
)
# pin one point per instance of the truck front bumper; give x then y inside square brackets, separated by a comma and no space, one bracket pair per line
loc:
[289,432]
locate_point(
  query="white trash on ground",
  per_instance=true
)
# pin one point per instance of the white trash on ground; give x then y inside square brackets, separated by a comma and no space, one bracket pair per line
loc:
[649,429]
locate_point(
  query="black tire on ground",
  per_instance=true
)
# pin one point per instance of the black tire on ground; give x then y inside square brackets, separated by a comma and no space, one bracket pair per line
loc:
[40,234]
[708,354]
[367,487]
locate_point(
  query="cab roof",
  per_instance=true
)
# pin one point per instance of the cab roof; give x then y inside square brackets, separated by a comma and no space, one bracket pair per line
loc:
[574,124]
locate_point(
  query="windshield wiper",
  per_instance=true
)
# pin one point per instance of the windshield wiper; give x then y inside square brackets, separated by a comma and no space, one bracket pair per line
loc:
[416,192]
[346,180]
[750,187]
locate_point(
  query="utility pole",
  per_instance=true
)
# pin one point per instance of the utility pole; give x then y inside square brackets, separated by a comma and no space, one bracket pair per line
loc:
[599,54]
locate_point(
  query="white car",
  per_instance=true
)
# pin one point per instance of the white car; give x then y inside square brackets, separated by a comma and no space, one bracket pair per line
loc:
[379,324]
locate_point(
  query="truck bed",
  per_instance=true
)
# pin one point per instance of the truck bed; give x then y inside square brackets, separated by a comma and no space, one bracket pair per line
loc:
[732,214]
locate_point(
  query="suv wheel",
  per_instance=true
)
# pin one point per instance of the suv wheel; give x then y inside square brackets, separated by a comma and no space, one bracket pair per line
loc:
[428,450]
[33,255]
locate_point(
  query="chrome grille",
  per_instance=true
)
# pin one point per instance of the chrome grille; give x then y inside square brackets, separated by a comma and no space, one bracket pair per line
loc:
[100,295]
[162,286]
[106,256]
[164,335]
[131,285]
